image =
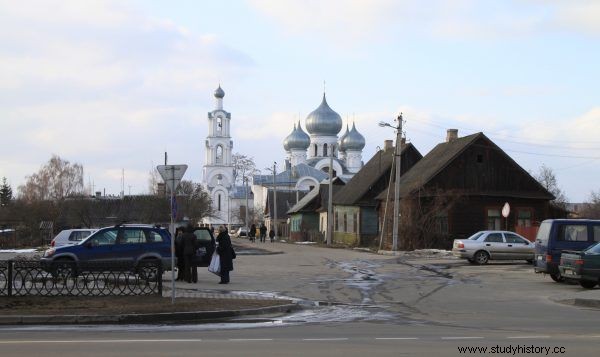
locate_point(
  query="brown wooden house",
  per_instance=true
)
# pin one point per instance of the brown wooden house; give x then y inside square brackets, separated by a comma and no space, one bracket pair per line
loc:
[355,205]
[459,188]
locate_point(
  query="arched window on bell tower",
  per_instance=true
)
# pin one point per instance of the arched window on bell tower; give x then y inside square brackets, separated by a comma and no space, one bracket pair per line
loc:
[219,124]
[316,150]
[325,149]
[219,155]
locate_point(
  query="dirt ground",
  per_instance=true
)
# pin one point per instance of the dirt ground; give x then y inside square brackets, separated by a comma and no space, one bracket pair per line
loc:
[114,305]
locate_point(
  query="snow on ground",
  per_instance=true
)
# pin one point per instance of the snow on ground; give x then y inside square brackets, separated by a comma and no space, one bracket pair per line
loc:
[31,250]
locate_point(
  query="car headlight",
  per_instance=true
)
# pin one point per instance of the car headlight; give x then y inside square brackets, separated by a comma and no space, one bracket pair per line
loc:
[50,252]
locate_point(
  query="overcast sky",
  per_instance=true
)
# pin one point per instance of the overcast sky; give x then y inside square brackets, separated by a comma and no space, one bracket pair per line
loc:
[114,84]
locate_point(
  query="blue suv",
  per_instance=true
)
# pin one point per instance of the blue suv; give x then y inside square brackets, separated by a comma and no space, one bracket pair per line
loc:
[122,245]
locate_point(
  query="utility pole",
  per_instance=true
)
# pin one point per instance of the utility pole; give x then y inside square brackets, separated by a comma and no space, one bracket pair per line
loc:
[245,179]
[330,201]
[398,154]
[397,157]
[275,199]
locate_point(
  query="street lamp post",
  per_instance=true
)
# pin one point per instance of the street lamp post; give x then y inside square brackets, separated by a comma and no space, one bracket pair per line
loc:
[397,157]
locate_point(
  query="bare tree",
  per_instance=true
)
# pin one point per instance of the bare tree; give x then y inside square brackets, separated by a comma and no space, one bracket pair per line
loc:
[243,166]
[547,179]
[591,208]
[193,201]
[153,180]
[56,180]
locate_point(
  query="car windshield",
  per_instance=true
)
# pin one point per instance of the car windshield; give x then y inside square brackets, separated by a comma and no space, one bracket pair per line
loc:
[594,249]
[475,236]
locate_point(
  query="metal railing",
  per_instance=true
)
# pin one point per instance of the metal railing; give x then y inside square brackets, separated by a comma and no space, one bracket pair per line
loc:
[68,278]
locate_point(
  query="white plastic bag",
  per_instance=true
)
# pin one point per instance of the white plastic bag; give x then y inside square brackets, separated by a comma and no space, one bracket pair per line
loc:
[215,264]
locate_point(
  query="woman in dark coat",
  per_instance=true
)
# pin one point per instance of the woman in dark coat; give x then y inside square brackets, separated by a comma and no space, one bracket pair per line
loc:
[226,253]
[190,272]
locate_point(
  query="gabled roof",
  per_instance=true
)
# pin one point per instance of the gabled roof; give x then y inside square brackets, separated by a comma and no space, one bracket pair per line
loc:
[238,192]
[318,197]
[285,200]
[380,164]
[435,161]
[443,155]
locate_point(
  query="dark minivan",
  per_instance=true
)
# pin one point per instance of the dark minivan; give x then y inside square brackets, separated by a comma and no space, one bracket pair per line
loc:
[557,235]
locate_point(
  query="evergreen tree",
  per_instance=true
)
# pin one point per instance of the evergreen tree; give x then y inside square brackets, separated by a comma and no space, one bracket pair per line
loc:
[5,193]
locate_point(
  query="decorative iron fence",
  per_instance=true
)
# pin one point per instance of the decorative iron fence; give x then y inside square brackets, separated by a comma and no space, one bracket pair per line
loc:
[67,278]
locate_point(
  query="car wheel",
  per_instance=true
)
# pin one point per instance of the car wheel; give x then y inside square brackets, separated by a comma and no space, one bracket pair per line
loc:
[148,269]
[557,277]
[481,257]
[588,284]
[63,269]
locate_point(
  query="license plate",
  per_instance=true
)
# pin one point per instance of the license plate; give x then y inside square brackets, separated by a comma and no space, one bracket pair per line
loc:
[569,272]
[539,257]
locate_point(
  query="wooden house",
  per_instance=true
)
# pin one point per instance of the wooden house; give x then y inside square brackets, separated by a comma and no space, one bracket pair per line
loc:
[459,188]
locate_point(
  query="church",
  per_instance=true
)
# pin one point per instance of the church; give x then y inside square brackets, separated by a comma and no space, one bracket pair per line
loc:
[229,201]
[308,156]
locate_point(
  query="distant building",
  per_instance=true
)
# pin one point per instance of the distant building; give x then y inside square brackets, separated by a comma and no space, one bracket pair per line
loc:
[228,200]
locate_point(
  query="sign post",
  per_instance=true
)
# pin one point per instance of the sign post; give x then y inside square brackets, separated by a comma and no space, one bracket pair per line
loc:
[505,213]
[172,175]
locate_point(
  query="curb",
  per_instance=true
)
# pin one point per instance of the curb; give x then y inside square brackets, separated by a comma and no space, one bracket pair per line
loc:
[165,317]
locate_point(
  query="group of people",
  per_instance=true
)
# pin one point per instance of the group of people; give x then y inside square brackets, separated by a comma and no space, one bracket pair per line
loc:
[186,247]
[261,232]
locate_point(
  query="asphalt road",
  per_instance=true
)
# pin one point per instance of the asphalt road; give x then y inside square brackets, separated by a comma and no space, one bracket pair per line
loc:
[367,305]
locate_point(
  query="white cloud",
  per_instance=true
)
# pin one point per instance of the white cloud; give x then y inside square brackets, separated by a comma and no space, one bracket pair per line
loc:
[101,84]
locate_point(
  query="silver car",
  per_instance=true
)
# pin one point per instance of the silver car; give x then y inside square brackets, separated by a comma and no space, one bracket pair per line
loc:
[498,245]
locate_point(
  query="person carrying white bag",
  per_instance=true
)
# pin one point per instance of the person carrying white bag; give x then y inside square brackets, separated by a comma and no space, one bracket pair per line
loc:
[215,264]
[225,255]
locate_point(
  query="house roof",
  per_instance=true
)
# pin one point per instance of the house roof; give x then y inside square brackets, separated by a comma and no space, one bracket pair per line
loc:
[380,164]
[290,176]
[238,192]
[440,157]
[285,201]
[318,197]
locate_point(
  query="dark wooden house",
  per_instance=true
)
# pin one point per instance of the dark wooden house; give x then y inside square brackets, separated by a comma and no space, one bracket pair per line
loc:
[459,188]
[355,205]
[309,216]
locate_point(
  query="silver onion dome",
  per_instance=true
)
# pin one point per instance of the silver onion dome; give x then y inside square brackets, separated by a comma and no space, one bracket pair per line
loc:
[341,145]
[219,93]
[354,140]
[323,120]
[297,140]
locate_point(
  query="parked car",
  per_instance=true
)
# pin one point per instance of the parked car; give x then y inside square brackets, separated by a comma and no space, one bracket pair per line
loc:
[121,244]
[583,266]
[558,235]
[241,232]
[71,237]
[207,245]
[496,245]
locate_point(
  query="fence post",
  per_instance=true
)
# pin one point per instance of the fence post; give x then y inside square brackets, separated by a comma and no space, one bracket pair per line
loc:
[159,277]
[9,278]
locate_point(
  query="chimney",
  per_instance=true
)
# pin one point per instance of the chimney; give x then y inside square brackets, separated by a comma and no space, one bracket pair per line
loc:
[388,145]
[451,135]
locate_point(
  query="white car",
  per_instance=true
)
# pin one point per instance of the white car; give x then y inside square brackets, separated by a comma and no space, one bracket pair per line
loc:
[497,245]
[71,237]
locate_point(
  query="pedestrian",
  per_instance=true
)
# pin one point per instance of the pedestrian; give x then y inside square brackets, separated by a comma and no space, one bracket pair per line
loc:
[272,235]
[252,233]
[263,232]
[226,254]
[190,272]
[179,253]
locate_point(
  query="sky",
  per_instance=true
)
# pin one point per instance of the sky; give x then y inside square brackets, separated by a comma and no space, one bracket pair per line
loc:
[112,85]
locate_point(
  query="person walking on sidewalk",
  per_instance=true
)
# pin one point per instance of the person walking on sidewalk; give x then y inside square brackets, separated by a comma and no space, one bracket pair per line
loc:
[272,235]
[190,272]
[226,254]
[252,233]
[263,232]
[179,253]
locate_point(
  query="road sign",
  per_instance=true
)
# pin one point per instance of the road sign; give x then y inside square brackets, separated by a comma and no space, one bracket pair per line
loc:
[506,210]
[172,175]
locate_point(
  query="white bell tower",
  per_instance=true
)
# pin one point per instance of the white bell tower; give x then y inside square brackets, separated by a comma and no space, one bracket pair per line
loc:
[217,175]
